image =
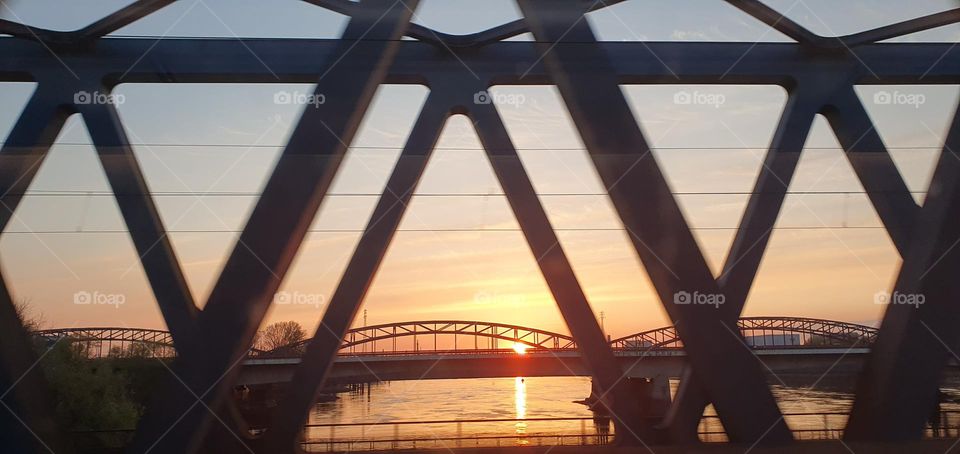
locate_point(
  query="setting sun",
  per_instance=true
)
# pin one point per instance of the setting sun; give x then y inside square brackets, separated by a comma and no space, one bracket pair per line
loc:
[521,349]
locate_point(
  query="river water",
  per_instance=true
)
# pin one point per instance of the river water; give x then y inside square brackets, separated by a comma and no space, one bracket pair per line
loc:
[381,409]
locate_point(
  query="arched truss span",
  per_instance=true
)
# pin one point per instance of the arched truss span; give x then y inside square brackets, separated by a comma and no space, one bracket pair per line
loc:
[531,337]
[147,336]
[759,331]
[766,332]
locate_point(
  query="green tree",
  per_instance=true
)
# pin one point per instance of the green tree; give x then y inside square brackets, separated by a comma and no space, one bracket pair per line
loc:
[89,395]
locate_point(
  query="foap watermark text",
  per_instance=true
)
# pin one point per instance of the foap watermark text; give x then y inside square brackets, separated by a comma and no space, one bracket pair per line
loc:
[98,298]
[500,99]
[699,98]
[899,98]
[299,98]
[86,97]
[299,299]
[909,299]
[710,299]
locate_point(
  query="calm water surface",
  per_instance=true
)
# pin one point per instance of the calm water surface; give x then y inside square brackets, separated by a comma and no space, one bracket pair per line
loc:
[460,399]
[516,398]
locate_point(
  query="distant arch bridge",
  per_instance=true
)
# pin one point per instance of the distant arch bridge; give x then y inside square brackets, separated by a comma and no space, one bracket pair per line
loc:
[101,341]
[758,332]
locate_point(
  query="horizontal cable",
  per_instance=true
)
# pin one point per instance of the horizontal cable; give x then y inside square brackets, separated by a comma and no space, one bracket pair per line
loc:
[82,193]
[396,148]
[465,230]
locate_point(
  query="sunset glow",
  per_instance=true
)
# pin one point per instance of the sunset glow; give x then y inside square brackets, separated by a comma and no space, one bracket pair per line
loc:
[359,208]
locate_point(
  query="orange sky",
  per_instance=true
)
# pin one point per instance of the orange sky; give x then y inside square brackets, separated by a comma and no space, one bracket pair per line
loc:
[490,276]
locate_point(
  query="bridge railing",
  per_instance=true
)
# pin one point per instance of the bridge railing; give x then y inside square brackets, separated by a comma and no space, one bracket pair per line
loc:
[576,431]
[582,431]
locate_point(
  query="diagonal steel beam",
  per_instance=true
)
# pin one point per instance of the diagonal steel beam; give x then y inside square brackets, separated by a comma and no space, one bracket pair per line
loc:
[372,247]
[746,253]
[656,225]
[778,21]
[121,18]
[44,117]
[291,414]
[874,168]
[27,416]
[873,165]
[484,37]
[27,145]
[897,389]
[906,27]
[143,220]
[276,228]
[559,274]
[153,246]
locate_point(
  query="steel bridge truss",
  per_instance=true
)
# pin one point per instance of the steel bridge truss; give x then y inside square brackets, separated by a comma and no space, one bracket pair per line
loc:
[898,385]
[808,332]
[147,336]
[158,342]
[832,333]
[360,337]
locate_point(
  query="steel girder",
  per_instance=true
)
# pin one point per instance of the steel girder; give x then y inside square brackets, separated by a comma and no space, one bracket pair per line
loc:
[152,336]
[664,337]
[531,337]
[842,332]
[818,72]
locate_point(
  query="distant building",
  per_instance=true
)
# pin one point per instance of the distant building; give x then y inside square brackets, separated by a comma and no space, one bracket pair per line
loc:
[774,340]
[634,344]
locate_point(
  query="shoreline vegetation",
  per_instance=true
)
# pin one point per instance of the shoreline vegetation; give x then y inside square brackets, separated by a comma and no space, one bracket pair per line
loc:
[99,398]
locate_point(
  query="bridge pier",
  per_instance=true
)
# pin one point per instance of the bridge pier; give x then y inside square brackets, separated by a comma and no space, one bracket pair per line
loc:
[651,397]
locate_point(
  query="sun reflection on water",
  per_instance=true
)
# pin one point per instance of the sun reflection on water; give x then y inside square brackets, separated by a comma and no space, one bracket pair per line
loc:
[520,402]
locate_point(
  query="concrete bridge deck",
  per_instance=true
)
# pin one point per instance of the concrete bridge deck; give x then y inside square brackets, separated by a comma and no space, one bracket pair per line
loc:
[790,362]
